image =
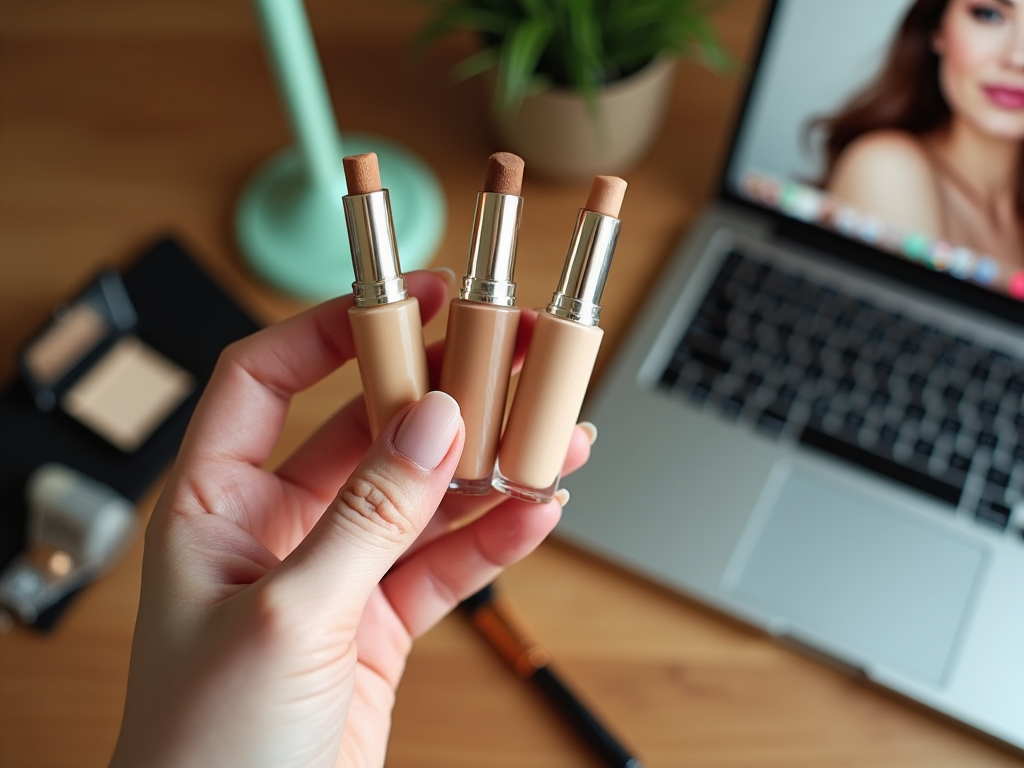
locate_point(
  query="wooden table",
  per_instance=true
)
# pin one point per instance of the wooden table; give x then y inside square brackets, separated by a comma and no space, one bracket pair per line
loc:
[120,119]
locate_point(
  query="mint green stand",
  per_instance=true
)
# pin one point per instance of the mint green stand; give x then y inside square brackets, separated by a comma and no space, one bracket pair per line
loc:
[289,221]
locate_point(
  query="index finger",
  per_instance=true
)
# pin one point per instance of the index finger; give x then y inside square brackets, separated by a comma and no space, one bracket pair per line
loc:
[245,403]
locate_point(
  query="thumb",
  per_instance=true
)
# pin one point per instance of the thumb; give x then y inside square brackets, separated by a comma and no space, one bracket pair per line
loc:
[379,512]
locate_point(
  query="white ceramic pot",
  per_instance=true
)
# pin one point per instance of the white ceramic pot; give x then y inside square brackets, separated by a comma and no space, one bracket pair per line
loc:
[557,135]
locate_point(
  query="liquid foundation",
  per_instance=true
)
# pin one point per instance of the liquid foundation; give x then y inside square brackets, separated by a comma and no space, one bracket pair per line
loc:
[386,324]
[562,354]
[482,324]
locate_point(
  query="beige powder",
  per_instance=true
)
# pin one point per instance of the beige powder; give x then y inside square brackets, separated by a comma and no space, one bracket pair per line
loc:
[68,340]
[128,393]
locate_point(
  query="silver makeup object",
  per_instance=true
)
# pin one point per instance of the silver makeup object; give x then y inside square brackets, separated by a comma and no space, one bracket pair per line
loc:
[587,262]
[78,528]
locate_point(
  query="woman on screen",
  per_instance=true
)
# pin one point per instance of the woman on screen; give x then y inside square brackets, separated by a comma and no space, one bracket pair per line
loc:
[934,144]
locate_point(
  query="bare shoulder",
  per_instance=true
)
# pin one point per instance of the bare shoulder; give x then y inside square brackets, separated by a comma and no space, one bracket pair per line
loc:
[881,153]
[888,173]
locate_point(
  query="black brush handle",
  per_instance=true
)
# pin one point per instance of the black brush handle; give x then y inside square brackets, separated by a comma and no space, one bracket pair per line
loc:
[611,752]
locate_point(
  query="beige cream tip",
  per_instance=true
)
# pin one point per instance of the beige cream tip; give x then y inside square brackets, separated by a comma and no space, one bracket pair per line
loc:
[606,195]
[361,173]
[504,174]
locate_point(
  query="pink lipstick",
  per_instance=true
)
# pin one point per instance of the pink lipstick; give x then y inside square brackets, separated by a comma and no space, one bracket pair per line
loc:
[1007,98]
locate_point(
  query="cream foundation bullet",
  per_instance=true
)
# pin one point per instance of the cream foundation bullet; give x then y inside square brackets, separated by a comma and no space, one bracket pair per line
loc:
[482,323]
[562,354]
[386,324]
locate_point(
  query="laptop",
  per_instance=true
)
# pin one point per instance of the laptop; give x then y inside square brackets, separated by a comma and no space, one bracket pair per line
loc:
[816,423]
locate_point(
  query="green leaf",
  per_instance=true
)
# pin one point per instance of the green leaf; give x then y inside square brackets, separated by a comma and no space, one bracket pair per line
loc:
[580,44]
[517,63]
[479,62]
[457,17]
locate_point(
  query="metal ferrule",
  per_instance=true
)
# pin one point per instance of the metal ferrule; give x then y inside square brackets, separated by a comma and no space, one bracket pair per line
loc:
[492,250]
[586,268]
[371,236]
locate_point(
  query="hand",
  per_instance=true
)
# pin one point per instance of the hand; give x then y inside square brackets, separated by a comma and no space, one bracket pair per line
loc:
[277,612]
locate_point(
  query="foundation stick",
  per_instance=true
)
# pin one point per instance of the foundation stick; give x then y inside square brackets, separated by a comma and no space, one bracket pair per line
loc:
[482,323]
[562,354]
[386,324]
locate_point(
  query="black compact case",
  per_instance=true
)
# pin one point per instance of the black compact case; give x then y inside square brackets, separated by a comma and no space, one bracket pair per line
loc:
[181,313]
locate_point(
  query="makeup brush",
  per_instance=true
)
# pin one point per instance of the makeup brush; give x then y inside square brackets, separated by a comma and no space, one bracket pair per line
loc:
[488,615]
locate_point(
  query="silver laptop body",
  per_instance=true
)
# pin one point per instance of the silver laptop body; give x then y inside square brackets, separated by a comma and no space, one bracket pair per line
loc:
[788,522]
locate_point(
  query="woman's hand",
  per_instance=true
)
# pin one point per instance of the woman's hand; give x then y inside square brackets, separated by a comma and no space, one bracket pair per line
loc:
[277,611]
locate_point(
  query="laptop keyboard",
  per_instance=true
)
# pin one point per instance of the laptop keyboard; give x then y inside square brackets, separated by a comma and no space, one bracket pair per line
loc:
[803,360]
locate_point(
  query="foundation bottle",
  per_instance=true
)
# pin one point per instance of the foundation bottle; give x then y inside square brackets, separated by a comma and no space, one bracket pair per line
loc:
[482,324]
[562,354]
[386,325]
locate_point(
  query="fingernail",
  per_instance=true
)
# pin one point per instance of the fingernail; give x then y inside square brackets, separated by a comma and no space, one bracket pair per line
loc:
[429,429]
[590,429]
[448,274]
[562,497]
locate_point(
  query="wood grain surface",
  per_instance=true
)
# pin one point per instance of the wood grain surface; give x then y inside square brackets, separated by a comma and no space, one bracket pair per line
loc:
[122,119]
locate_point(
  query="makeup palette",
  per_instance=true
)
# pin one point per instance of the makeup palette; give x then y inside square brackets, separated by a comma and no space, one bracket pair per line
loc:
[107,387]
[89,362]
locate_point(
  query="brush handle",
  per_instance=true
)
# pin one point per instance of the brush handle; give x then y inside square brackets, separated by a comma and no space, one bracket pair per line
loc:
[611,752]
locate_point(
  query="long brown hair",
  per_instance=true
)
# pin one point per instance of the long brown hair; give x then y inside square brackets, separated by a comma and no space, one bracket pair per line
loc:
[905,96]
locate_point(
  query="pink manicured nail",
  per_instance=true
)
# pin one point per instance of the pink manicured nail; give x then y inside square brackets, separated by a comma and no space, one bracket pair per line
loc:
[428,431]
[447,274]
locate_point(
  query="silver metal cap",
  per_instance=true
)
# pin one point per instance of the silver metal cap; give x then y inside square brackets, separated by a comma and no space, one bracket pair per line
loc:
[578,295]
[371,236]
[492,249]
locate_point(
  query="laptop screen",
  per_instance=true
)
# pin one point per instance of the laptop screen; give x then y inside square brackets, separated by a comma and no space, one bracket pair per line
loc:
[898,124]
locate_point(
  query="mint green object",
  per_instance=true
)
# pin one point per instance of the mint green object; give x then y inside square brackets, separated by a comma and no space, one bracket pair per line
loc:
[289,220]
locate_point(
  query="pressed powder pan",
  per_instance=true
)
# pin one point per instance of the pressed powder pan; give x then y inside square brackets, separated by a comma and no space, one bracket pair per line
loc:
[128,393]
[88,361]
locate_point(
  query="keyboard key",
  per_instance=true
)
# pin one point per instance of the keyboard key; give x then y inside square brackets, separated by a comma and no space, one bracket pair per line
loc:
[915,412]
[854,420]
[705,357]
[988,408]
[733,405]
[888,435]
[960,462]
[952,394]
[922,481]
[987,440]
[878,397]
[993,512]
[771,422]
[923,448]
[998,477]
[699,392]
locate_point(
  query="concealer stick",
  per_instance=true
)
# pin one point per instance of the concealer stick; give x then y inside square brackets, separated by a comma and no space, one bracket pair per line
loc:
[482,323]
[562,354]
[386,325]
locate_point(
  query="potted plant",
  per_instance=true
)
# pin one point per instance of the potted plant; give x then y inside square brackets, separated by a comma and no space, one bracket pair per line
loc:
[579,86]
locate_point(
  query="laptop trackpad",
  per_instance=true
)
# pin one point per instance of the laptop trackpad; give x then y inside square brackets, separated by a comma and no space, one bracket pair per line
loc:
[859,572]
